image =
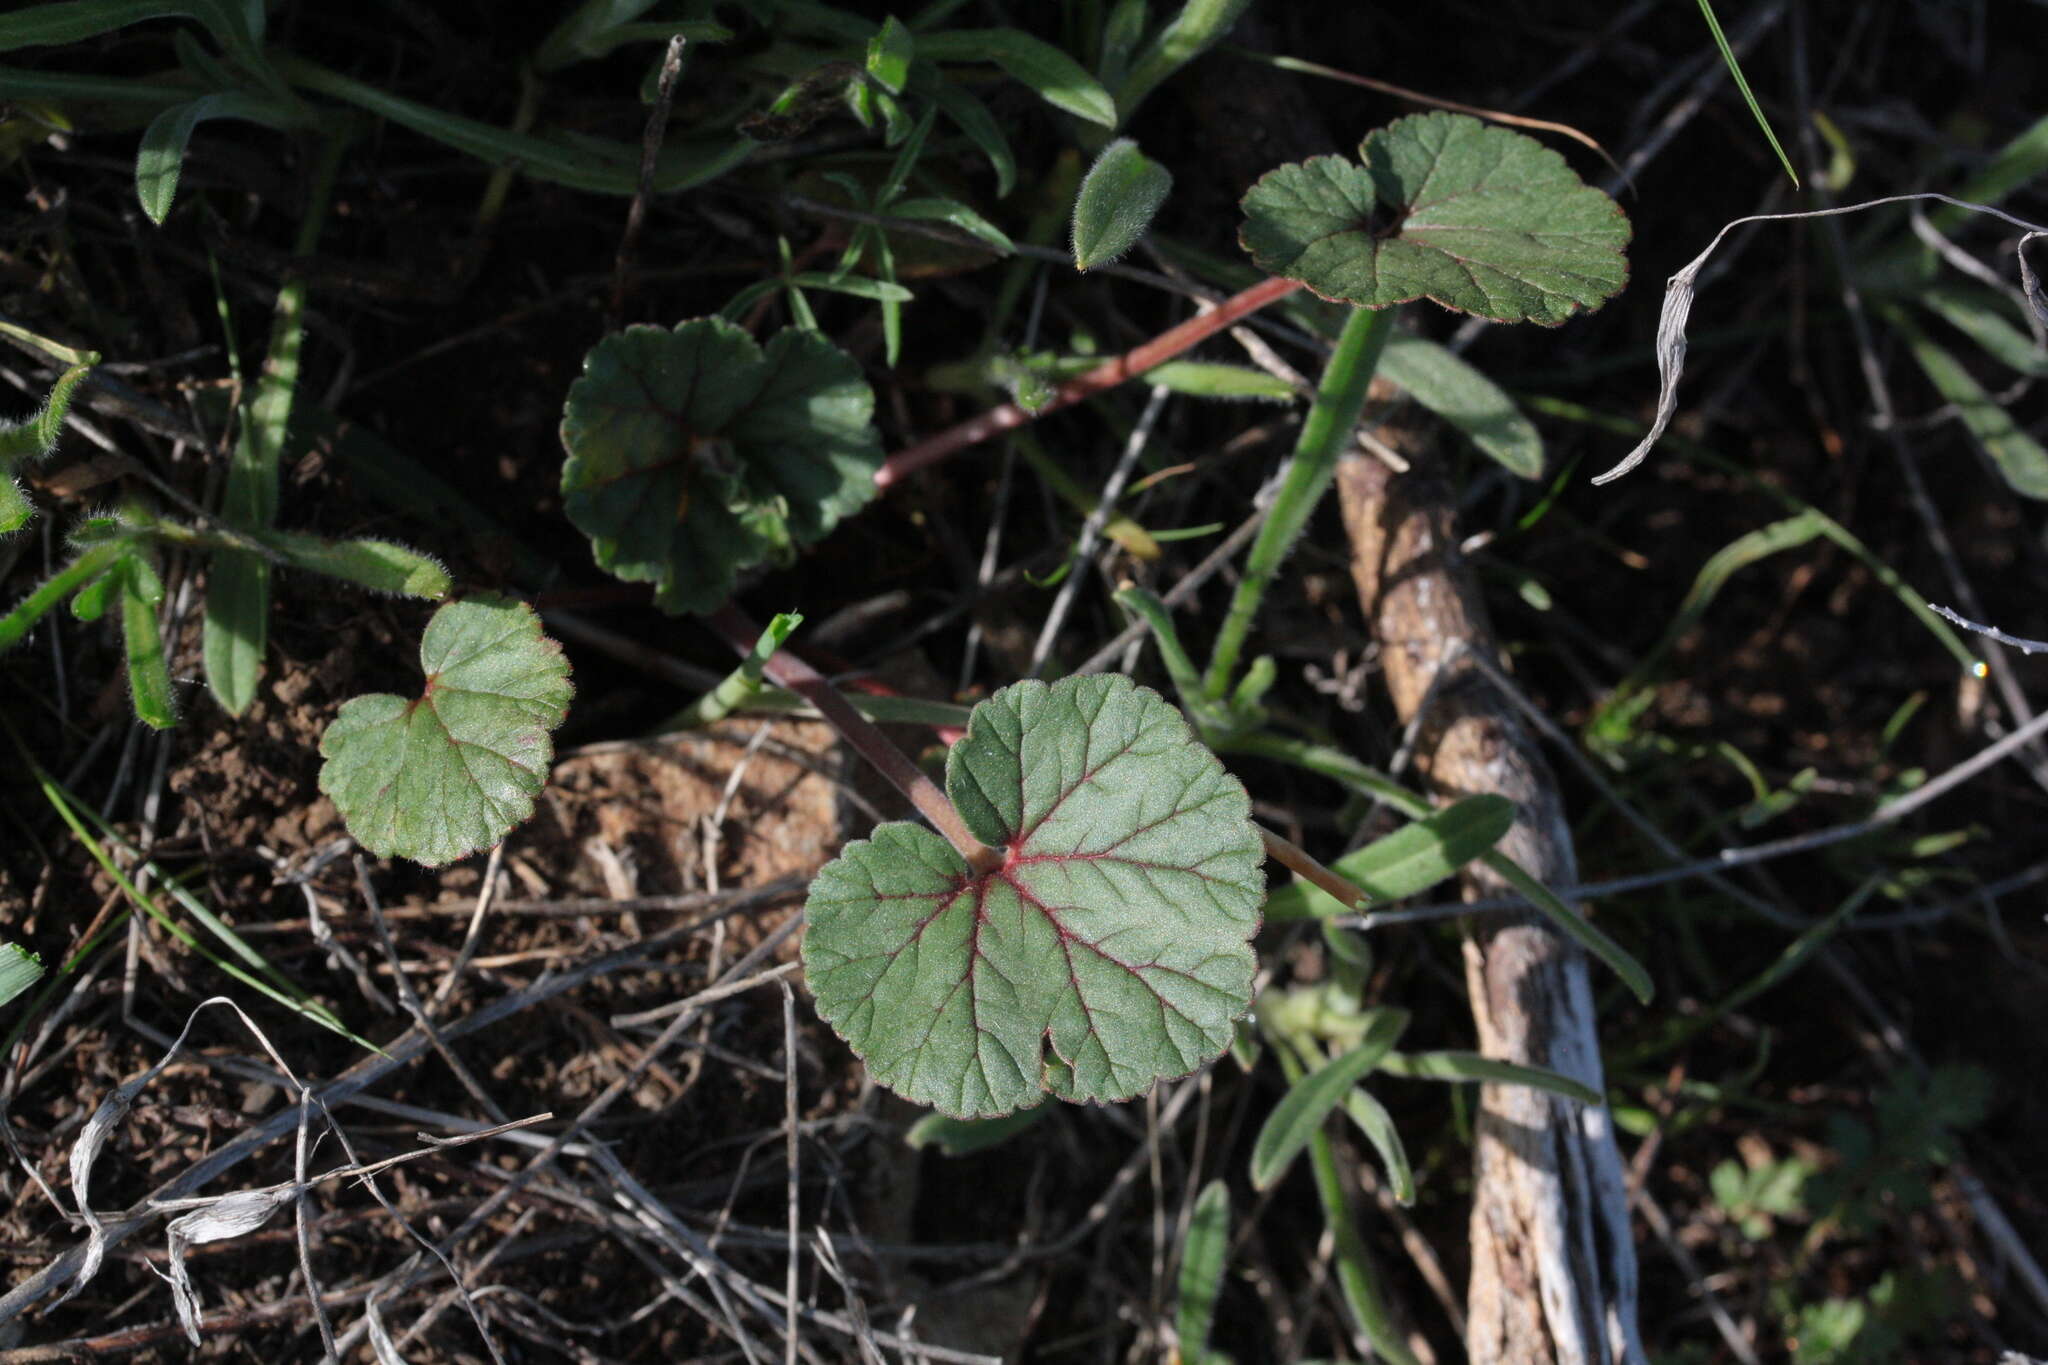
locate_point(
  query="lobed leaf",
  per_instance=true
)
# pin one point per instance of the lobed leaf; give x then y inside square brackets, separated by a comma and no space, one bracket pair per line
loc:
[696,453]
[1480,219]
[451,771]
[1107,951]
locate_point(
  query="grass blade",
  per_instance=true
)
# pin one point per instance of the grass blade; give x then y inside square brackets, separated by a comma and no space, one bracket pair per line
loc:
[1742,84]
[1202,1255]
[1299,1115]
[1471,1066]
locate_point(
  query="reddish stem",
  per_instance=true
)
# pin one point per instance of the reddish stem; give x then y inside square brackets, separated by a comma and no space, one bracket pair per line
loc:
[870,743]
[1108,375]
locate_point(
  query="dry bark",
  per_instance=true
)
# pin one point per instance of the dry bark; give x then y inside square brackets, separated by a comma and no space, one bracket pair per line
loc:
[1553,1263]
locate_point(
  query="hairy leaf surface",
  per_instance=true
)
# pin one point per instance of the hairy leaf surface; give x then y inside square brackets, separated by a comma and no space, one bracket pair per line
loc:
[695,453]
[1480,219]
[437,777]
[1109,950]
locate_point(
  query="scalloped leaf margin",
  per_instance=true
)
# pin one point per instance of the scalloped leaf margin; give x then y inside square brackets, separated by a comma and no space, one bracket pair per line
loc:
[1482,220]
[697,454]
[1111,949]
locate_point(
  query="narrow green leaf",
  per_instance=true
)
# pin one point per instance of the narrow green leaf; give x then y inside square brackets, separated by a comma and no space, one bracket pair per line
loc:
[237,620]
[1377,1124]
[375,564]
[1119,195]
[1480,219]
[81,572]
[258,973]
[1355,1272]
[19,969]
[2019,457]
[583,163]
[2019,162]
[1308,1101]
[161,155]
[1199,26]
[1984,316]
[24,441]
[1461,394]
[856,286]
[972,117]
[962,1137]
[1203,1253]
[64,87]
[1057,78]
[1574,925]
[1738,554]
[955,214]
[440,776]
[1741,83]
[149,677]
[238,29]
[1471,1066]
[1107,951]
[1409,861]
[1215,379]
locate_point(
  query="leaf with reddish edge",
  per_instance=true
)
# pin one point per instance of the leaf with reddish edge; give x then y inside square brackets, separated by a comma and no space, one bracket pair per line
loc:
[1111,949]
[436,777]
[1482,220]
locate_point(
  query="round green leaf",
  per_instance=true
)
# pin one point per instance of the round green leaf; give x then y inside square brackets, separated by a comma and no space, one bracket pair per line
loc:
[1480,219]
[1108,951]
[449,772]
[695,454]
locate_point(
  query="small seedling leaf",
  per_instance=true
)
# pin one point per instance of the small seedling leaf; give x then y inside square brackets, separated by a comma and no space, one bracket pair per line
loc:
[1482,220]
[963,1137]
[34,438]
[1119,195]
[19,969]
[1308,1101]
[1409,861]
[695,454]
[442,775]
[1107,951]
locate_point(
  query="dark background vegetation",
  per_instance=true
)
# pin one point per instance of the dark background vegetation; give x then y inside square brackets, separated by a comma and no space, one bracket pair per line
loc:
[1827,1196]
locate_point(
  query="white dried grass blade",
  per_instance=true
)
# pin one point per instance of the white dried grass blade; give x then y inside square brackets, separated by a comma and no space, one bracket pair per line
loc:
[231,1215]
[1679,289]
[92,1138]
[380,1340]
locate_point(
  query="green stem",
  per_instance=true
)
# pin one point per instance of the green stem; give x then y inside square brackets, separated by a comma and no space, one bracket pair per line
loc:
[1324,436]
[741,684]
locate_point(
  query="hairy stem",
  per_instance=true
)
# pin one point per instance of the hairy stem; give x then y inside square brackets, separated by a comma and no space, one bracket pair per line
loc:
[1324,436]
[870,743]
[1129,365]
